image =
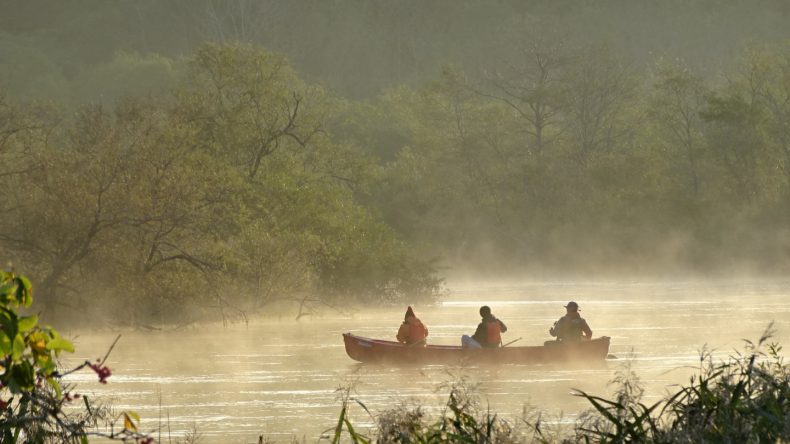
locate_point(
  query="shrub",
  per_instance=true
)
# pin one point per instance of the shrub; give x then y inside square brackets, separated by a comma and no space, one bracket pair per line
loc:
[33,398]
[462,421]
[744,399]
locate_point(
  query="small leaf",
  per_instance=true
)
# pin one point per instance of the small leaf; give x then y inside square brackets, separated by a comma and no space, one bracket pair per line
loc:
[17,348]
[37,341]
[46,365]
[52,332]
[7,289]
[22,377]
[87,404]
[27,323]
[339,428]
[60,344]
[132,414]
[355,437]
[364,407]
[24,291]
[5,344]
[128,424]
[8,322]
[55,386]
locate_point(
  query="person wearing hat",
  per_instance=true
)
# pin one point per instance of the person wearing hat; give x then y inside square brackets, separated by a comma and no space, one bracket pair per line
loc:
[488,333]
[412,331]
[571,327]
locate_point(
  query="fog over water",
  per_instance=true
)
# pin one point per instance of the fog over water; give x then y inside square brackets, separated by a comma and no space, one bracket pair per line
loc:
[279,377]
[167,163]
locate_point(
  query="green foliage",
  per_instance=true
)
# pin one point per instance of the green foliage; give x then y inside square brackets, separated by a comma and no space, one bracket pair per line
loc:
[28,351]
[302,229]
[740,400]
[33,399]
[234,183]
[743,399]
[570,158]
[461,422]
[270,188]
[126,74]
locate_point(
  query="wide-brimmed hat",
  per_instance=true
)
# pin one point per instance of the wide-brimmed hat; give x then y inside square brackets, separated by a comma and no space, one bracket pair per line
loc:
[573,306]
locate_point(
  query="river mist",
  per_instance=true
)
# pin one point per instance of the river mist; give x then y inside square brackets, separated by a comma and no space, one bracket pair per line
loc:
[278,377]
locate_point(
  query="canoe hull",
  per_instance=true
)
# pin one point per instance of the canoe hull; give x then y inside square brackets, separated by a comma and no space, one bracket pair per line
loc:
[376,350]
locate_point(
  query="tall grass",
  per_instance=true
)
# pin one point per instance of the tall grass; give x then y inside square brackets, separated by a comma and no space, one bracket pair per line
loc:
[462,421]
[743,399]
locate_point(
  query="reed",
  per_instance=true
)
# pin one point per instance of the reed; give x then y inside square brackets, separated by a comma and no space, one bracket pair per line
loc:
[743,399]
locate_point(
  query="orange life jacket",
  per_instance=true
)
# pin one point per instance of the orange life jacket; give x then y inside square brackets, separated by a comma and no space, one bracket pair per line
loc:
[412,331]
[417,331]
[493,332]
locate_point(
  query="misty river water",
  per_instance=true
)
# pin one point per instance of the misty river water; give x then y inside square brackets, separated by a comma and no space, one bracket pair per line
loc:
[278,378]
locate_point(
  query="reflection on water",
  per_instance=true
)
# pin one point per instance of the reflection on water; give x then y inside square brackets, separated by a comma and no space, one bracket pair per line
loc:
[279,377]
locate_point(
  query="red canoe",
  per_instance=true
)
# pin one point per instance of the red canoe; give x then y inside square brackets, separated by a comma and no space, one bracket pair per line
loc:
[377,350]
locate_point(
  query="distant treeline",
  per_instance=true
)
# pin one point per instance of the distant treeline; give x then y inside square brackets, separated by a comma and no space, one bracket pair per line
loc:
[77,51]
[241,184]
[572,161]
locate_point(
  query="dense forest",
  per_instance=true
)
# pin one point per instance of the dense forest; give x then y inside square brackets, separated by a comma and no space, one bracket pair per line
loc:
[180,159]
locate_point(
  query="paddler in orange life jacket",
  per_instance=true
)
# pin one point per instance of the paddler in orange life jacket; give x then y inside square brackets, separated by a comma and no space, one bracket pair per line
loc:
[571,327]
[412,331]
[488,333]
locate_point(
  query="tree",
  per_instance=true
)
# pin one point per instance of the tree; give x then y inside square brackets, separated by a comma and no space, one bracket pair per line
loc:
[601,91]
[252,104]
[249,109]
[182,207]
[532,85]
[733,115]
[65,207]
[674,108]
[770,70]
[126,74]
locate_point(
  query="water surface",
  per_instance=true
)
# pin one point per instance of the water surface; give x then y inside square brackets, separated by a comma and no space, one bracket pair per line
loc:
[279,377]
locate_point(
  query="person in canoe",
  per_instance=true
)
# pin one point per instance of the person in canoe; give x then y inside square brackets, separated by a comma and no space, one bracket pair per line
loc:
[412,331]
[571,327]
[488,333]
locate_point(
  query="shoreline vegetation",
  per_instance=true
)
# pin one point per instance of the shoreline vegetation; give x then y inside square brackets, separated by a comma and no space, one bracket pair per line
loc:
[244,186]
[744,399]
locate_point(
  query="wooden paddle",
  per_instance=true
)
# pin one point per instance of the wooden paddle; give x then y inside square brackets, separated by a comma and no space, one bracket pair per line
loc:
[514,340]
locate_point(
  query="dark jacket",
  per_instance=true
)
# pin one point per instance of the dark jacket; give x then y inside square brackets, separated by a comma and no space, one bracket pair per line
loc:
[481,334]
[571,327]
